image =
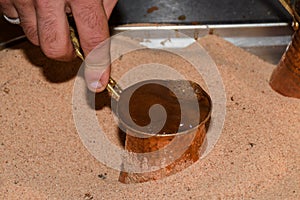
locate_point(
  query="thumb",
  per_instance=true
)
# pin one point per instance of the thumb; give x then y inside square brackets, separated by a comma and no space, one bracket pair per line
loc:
[92,25]
[97,67]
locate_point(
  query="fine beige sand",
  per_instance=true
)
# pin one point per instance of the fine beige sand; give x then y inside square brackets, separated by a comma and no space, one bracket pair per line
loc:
[42,157]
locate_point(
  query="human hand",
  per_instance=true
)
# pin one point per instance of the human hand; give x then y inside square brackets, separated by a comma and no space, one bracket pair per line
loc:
[45,24]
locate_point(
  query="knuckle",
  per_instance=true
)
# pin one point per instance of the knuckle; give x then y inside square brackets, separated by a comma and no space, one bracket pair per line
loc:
[51,53]
[33,39]
[91,43]
[49,33]
[90,15]
[30,32]
[56,53]
[54,43]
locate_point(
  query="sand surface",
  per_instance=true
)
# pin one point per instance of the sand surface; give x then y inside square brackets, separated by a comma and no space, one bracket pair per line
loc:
[42,157]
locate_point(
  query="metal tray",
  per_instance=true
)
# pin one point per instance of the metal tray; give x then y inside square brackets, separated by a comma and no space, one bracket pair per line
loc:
[259,26]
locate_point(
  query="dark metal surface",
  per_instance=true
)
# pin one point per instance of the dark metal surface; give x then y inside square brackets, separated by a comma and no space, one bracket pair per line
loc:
[10,34]
[198,11]
[268,42]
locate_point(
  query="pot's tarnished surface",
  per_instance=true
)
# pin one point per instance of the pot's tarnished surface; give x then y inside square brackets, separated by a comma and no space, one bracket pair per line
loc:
[285,78]
[183,121]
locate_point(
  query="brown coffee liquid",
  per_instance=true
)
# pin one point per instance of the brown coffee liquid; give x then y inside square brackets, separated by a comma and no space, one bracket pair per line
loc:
[186,105]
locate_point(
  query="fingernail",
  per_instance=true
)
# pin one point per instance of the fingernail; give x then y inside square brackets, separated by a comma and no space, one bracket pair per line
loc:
[96,85]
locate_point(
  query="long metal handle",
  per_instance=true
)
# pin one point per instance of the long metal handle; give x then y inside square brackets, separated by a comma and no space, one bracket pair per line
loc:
[287,7]
[291,10]
[113,88]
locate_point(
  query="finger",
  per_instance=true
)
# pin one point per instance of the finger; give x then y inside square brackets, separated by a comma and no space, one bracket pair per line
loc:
[27,16]
[8,9]
[109,6]
[92,26]
[100,79]
[53,30]
[91,22]
[97,67]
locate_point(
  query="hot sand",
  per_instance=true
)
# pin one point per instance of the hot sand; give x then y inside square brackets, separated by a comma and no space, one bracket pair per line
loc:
[42,157]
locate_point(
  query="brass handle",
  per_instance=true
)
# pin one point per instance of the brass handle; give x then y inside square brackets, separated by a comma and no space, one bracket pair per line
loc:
[113,88]
[292,12]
